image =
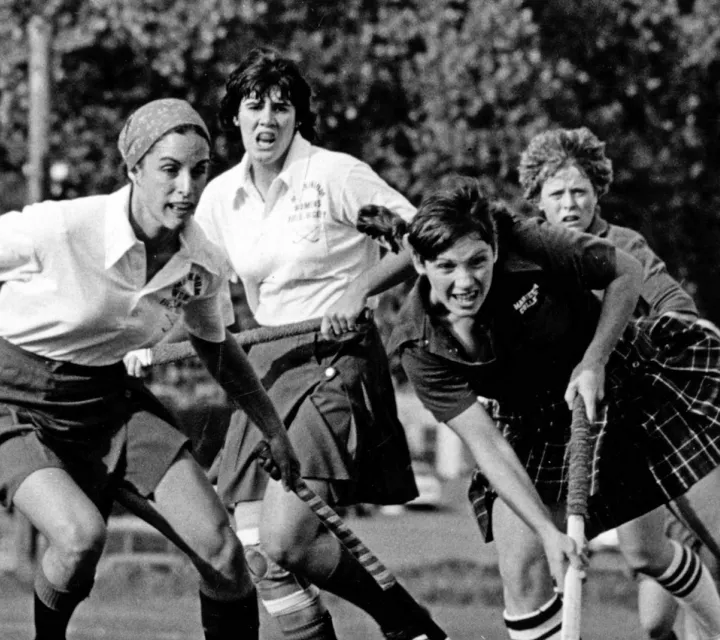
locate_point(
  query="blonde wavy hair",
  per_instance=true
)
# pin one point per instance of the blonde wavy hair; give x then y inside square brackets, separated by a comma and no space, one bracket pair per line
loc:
[550,151]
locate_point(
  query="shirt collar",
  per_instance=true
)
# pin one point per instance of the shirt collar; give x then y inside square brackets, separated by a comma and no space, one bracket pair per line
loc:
[296,161]
[120,237]
[599,226]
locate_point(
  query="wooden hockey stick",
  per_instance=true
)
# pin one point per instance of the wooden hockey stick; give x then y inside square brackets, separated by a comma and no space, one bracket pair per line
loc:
[371,563]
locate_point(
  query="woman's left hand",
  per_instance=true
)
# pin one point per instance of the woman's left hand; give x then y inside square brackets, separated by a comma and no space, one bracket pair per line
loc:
[562,551]
[343,316]
[588,380]
[137,361]
[277,457]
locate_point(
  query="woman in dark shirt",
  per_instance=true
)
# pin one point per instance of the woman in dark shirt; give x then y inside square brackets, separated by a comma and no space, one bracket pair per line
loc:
[505,309]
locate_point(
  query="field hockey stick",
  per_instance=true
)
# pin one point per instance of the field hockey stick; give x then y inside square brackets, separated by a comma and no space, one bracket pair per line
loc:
[371,563]
[164,353]
[171,352]
[578,490]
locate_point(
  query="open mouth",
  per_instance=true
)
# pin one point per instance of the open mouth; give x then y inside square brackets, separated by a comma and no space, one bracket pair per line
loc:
[182,208]
[573,219]
[265,139]
[466,298]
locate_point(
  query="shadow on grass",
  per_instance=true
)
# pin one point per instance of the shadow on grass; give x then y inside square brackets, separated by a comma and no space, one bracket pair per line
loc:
[464,583]
[453,582]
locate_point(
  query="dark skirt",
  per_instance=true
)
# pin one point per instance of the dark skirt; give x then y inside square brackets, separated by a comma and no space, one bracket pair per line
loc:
[337,401]
[658,435]
[102,427]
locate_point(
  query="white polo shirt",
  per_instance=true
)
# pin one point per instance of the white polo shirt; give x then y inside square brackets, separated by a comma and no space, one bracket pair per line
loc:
[297,252]
[74,282]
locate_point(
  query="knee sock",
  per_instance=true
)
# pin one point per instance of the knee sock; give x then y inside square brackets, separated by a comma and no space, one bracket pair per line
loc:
[349,580]
[542,624]
[688,579]
[54,607]
[230,619]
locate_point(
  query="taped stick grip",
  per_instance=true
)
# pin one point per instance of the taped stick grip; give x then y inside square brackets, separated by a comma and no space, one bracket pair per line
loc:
[577,500]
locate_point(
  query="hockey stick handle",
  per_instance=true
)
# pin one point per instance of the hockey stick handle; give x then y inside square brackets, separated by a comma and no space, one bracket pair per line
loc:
[164,353]
[578,491]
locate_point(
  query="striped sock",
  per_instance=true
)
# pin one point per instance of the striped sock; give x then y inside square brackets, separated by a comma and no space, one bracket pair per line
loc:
[542,624]
[688,579]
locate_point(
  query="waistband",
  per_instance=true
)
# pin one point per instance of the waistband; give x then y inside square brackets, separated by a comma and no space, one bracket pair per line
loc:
[8,349]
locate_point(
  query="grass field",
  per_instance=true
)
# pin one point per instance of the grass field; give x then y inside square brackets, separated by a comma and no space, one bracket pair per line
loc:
[437,555]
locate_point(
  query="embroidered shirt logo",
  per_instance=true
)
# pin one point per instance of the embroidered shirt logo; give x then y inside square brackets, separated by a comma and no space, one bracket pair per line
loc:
[527,300]
[189,287]
[306,218]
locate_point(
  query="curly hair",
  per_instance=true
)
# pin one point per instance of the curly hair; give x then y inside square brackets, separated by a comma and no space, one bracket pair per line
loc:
[550,151]
[262,70]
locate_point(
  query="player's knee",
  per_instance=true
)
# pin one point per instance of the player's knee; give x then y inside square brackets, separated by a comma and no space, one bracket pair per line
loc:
[220,550]
[293,602]
[656,629]
[646,560]
[284,552]
[79,543]
[656,626]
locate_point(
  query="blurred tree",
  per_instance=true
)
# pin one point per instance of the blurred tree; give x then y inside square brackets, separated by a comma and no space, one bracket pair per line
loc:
[416,88]
[644,76]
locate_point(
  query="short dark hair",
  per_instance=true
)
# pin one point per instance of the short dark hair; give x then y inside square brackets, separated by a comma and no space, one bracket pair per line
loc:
[550,151]
[458,209]
[262,70]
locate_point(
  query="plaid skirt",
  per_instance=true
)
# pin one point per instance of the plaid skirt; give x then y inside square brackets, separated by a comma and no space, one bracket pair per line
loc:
[657,435]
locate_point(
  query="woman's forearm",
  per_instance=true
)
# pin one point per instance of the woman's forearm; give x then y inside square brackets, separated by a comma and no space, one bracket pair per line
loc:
[391,270]
[618,304]
[228,364]
[501,466]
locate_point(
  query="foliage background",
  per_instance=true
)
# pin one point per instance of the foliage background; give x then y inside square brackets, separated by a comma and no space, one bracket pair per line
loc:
[417,88]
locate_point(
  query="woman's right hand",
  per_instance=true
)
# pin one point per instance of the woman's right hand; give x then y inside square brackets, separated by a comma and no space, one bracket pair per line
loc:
[277,457]
[588,381]
[561,551]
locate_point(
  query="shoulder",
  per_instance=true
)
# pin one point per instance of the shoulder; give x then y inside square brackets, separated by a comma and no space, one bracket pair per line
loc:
[78,216]
[624,236]
[204,251]
[332,165]
[411,323]
[223,182]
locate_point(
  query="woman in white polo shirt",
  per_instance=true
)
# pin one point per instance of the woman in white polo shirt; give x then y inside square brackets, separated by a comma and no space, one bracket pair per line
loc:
[84,282]
[285,219]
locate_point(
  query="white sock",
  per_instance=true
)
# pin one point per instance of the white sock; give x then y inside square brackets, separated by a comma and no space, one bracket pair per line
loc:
[688,579]
[542,624]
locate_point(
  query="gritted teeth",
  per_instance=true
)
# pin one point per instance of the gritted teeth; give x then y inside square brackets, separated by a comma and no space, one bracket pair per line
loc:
[467,296]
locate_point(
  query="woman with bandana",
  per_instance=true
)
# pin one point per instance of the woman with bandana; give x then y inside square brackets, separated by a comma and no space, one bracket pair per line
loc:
[84,282]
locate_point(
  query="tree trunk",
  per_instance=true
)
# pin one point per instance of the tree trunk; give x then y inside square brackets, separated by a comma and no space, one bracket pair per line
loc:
[39,37]
[39,32]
